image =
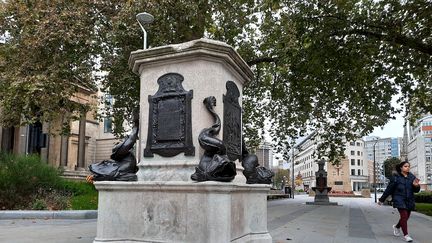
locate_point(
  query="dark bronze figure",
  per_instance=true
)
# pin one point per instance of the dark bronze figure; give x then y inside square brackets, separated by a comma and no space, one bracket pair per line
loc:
[254,173]
[122,166]
[214,164]
[232,125]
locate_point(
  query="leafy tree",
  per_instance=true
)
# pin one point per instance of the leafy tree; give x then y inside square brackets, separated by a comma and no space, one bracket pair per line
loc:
[390,166]
[298,179]
[47,55]
[280,176]
[329,66]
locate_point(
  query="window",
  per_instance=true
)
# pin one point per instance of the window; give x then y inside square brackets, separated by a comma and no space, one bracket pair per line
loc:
[107,125]
[352,161]
[358,162]
[352,143]
[359,172]
[358,153]
[358,144]
[352,152]
[352,172]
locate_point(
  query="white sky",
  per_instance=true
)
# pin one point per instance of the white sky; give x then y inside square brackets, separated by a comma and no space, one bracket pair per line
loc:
[393,129]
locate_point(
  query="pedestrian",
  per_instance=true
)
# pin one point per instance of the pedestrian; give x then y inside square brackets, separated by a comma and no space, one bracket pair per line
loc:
[402,187]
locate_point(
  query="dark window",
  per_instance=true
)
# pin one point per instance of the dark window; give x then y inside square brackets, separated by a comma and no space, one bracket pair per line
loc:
[359,172]
[358,144]
[338,183]
[358,162]
[352,172]
[358,153]
[352,161]
[352,152]
[108,125]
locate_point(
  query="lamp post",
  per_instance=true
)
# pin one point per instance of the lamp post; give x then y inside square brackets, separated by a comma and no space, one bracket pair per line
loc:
[292,172]
[144,18]
[374,172]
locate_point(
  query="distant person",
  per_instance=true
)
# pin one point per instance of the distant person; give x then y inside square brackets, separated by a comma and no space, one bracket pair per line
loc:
[288,191]
[402,187]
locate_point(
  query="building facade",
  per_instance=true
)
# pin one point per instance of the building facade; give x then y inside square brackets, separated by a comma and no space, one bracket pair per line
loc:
[265,155]
[351,174]
[420,150]
[87,142]
[385,148]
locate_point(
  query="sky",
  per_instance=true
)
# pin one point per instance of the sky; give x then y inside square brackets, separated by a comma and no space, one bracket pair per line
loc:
[394,128]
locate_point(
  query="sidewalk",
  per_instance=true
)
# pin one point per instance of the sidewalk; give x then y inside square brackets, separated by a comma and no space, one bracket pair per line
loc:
[356,220]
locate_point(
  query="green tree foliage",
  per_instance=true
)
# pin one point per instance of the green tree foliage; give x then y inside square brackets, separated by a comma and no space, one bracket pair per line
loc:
[332,66]
[390,166]
[47,54]
[280,177]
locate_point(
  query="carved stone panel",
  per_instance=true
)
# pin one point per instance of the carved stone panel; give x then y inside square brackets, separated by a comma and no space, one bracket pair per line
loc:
[232,123]
[170,126]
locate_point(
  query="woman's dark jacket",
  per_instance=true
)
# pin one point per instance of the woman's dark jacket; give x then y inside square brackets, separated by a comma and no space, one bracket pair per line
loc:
[402,190]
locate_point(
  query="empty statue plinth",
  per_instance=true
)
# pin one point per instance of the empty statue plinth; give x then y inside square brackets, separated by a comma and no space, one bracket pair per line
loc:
[165,205]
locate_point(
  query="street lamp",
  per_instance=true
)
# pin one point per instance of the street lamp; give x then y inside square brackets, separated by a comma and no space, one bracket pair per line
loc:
[292,173]
[374,171]
[144,18]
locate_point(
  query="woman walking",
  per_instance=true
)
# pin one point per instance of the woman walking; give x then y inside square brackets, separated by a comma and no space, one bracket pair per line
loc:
[402,187]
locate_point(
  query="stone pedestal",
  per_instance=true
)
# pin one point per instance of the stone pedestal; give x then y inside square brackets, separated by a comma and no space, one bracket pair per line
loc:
[165,205]
[321,190]
[206,66]
[181,212]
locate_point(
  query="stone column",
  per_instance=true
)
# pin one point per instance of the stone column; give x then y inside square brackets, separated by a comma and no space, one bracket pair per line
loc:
[81,142]
[64,144]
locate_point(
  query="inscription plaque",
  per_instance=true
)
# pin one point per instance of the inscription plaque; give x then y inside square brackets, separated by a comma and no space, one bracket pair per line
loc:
[170,126]
[232,123]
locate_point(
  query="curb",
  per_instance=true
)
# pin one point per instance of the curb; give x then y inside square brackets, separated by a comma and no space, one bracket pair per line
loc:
[40,214]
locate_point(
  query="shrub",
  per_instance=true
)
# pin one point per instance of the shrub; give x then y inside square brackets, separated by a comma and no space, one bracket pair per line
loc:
[39,204]
[85,196]
[423,197]
[425,208]
[26,182]
[21,176]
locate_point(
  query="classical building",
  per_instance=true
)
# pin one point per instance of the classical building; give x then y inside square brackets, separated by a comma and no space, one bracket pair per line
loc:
[351,174]
[385,148]
[420,150]
[89,140]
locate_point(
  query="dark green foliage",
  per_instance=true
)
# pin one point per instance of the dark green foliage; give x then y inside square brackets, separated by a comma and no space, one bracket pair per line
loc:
[390,166]
[26,182]
[423,197]
[22,176]
[279,177]
[424,208]
[84,195]
[329,66]
[85,201]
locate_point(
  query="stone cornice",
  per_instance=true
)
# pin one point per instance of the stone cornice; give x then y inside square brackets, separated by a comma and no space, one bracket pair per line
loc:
[201,48]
